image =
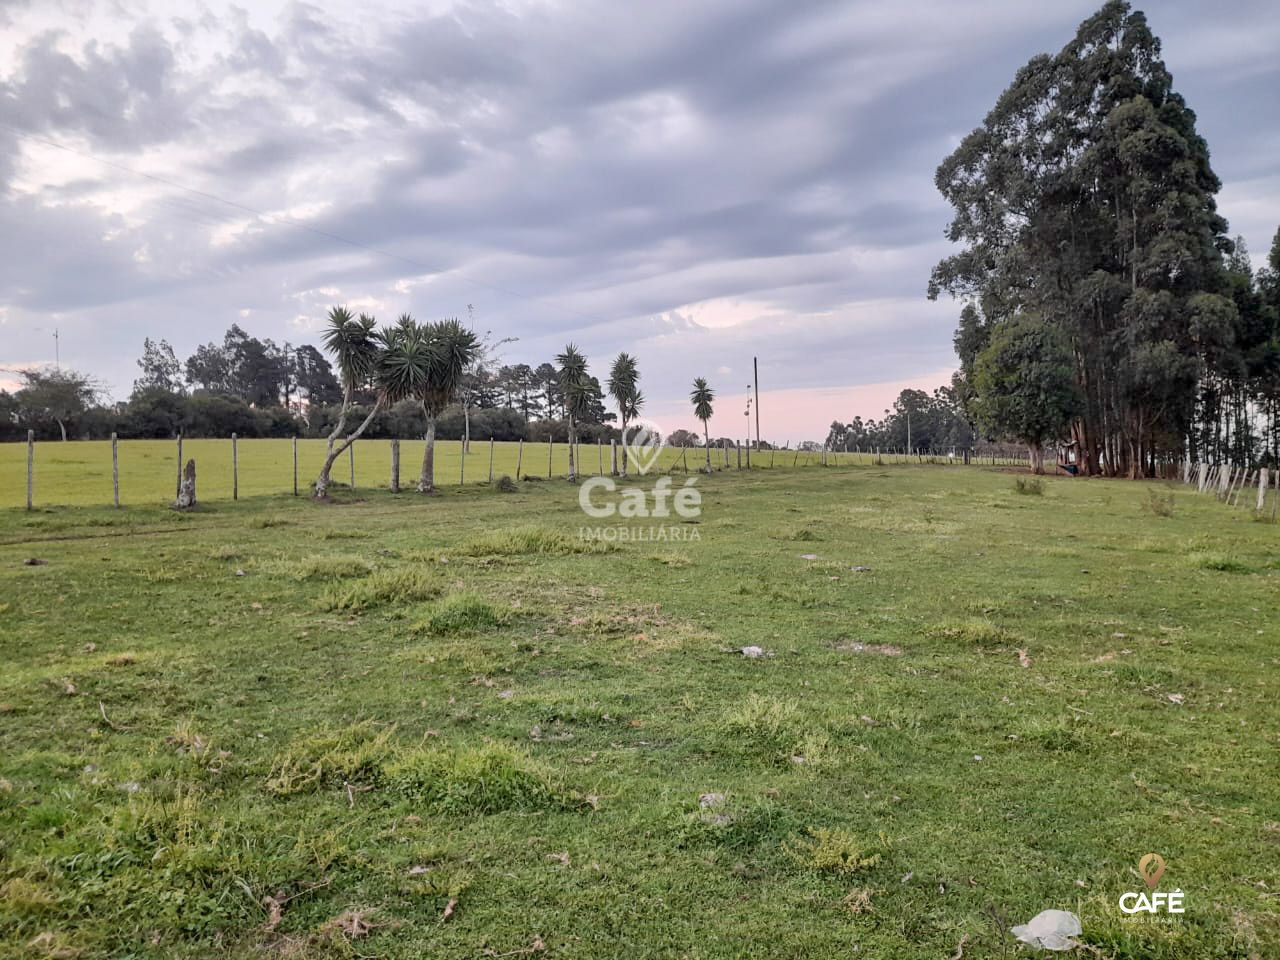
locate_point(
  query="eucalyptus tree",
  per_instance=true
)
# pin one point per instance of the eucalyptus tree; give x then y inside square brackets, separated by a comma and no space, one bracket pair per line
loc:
[576,388]
[1086,200]
[356,349]
[623,384]
[702,396]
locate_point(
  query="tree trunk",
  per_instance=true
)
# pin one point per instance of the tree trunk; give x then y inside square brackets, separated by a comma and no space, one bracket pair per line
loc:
[63,427]
[573,442]
[1036,456]
[187,488]
[466,428]
[624,448]
[706,442]
[334,452]
[427,481]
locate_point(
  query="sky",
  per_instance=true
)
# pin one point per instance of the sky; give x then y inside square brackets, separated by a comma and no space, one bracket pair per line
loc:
[696,183]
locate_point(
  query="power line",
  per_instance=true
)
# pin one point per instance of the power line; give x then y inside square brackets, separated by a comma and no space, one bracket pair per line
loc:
[288,221]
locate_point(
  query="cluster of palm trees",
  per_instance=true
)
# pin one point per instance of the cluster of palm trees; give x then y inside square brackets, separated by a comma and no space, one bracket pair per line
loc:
[428,362]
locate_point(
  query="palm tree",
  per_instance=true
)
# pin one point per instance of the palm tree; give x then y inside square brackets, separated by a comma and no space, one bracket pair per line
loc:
[702,395]
[576,387]
[355,347]
[447,350]
[623,380]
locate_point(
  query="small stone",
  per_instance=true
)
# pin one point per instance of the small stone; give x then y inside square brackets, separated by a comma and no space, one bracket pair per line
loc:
[751,653]
[808,556]
[239,573]
[860,569]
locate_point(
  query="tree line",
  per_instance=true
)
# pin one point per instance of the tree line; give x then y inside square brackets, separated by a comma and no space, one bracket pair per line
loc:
[1104,305]
[255,388]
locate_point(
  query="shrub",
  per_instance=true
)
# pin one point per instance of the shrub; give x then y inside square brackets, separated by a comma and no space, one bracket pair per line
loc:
[399,585]
[507,485]
[529,541]
[978,632]
[487,779]
[1031,487]
[834,852]
[1160,504]
[460,613]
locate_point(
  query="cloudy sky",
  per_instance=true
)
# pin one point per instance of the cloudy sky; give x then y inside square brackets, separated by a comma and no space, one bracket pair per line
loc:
[695,182]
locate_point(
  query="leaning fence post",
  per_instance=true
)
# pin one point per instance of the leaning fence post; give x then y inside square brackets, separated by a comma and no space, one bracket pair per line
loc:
[550,453]
[600,453]
[491,459]
[31,466]
[295,466]
[1262,490]
[613,457]
[115,469]
[351,461]
[519,457]
[235,469]
[395,465]
[178,488]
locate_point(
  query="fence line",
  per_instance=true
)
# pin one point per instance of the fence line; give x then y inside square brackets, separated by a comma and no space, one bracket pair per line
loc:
[138,466]
[1233,485]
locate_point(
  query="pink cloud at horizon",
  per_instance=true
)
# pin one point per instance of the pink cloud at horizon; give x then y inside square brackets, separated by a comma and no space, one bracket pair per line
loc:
[800,413]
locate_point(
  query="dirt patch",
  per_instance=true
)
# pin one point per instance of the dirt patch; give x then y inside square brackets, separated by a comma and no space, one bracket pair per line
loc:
[884,649]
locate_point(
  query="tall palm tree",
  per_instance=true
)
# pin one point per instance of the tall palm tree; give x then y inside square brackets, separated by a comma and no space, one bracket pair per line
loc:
[355,348]
[575,385]
[449,349]
[702,396]
[623,380]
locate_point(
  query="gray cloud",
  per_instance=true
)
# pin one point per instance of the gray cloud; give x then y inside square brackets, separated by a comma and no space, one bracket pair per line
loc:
[698,182]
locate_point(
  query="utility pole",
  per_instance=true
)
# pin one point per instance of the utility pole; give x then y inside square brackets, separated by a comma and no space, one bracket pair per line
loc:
[755,366]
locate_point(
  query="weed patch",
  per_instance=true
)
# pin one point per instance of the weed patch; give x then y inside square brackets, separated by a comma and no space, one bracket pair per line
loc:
[393,586]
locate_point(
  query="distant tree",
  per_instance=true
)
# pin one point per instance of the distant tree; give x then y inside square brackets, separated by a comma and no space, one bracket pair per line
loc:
[313,376]
[682,438]
[160,368]
[575,385]
[209,369]
[1025,385]
[702,397]
[55,396]
[624,381]
[546,380]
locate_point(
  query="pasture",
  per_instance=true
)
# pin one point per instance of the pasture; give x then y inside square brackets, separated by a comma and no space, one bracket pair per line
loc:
[449,727]
[79,472]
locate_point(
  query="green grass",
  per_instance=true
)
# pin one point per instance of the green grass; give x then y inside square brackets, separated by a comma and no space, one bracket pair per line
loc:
[448,727]
[79,472]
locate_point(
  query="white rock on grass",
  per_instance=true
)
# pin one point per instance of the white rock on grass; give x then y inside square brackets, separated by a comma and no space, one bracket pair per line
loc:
[752,653]
[1050,930]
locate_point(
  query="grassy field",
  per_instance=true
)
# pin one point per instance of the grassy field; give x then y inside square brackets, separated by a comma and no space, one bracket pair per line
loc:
[451,728]
[79,473]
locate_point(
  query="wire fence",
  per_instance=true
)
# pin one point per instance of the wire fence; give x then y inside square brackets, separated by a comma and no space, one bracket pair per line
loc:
[1255,488]
[146,472]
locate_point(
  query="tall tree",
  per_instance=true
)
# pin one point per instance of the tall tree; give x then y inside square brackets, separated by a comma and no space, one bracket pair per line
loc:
[444,350]
[702,396]
[356,350]
[575,385]
[624,387]
[1086,200]
[160,368]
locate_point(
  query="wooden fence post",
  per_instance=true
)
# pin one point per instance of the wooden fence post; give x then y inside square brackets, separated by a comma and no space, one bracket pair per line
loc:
[178,488]
[235,469]
[31,467]
[491,459]
[551,444]
[738,447]
[295,466]
[600,453]
[115,469]
[519,457]
[395,465]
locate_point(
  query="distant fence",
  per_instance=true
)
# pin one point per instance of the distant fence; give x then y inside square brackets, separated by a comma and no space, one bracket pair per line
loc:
[1237,485]
[137,472]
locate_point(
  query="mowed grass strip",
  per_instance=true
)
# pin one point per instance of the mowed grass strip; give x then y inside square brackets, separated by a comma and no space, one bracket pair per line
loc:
[448,727]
